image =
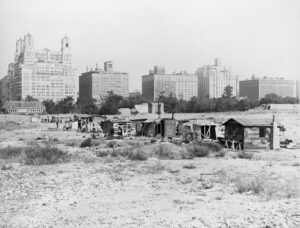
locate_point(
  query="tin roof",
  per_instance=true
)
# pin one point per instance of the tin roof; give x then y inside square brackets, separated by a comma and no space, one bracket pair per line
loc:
[253,122]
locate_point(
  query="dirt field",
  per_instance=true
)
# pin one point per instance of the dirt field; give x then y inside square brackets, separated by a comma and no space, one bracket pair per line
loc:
[112,191]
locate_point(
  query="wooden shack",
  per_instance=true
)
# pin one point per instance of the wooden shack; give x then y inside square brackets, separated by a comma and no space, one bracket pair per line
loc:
[159,127]
[246,133]
[200,129]
[168,128]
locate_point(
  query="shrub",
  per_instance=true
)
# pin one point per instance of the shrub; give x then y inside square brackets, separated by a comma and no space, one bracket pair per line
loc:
[171,151]
[34,155]
[154,169]
[111,144]
[203,149]
[245,155]
[137,155]
[44,155]
[220,154]
[190,166]
[10,152]
[153,141]
[86,143]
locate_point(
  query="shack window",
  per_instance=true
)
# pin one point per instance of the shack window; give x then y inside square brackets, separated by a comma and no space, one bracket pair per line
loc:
[262,132]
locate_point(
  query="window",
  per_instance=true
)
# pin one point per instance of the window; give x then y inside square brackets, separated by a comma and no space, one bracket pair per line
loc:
[262,132]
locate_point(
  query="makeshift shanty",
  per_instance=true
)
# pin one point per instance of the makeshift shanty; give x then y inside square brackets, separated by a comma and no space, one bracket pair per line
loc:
[247,133]
[200,129]
[159,127]
[125,127]
[60,118]
[90,123]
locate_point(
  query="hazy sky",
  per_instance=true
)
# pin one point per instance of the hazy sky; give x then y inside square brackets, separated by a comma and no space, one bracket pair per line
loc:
[259,37]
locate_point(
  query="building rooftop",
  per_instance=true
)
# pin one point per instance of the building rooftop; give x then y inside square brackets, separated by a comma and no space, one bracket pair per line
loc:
[252,122]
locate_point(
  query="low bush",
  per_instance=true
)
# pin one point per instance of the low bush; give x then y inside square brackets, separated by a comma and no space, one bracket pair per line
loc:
[190,166]
[34,155]
[261,185]
[137,155]
[86,143]
[245,155]
[220,154]
[203,149]
[111,144]
[44,155]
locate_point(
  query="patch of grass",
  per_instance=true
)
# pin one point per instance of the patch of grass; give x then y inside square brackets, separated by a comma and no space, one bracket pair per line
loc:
[6,167]
[137,155]
[220,154]
[261,185]
[154,169]
[9,126]
[44,155]
[34,155]
[173,170]
[86,143]
[203,149]
[111,144]
[190,166]
[89,142]
[245,155]
[296,164]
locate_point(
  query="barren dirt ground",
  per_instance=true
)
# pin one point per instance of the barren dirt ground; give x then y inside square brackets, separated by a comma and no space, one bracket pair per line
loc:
[91,191]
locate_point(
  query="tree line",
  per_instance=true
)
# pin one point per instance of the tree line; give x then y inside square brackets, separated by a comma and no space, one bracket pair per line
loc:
[113,102]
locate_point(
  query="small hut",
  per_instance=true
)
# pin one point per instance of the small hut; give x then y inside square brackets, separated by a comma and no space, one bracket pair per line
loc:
[200,129]
[247,133]
[159,127]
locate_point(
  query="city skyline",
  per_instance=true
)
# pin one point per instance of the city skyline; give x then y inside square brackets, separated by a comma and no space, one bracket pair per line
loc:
[253,37]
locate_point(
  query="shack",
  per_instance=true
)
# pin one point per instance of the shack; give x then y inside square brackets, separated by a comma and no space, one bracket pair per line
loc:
[124,127]
[247,133]
[201,129]
[159,127]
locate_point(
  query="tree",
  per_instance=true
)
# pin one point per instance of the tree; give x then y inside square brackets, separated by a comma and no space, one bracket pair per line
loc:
[89,108]
[138,99]
[227,92]
[65,105]
[112,103]
[170,103]
[30,98]
[50,106]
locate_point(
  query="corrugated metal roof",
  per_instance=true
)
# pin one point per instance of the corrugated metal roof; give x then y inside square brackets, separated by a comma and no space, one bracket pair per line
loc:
[253,122]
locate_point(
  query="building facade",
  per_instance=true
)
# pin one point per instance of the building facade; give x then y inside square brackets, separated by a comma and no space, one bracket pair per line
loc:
[5,84]
[257,88]
[96,84]
[212,80]
[181,85]
[43,74]
[25,107]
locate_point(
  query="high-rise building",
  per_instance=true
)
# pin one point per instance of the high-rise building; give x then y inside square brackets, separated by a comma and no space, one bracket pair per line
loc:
[257,88]
[95,84]
[5,84]
[181,85]
[43,74]
[297,89]
[212,80]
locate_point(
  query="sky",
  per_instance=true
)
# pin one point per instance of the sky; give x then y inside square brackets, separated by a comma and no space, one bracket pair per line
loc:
[260,37]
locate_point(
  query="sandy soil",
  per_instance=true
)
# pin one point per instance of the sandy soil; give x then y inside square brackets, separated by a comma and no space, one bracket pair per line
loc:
[90,191]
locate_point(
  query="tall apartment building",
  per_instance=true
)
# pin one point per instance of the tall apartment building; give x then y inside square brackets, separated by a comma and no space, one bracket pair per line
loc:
[96,84]
[43,74]
[212,80]
[257,88]
[5,84]
[181,85]
[297,88]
